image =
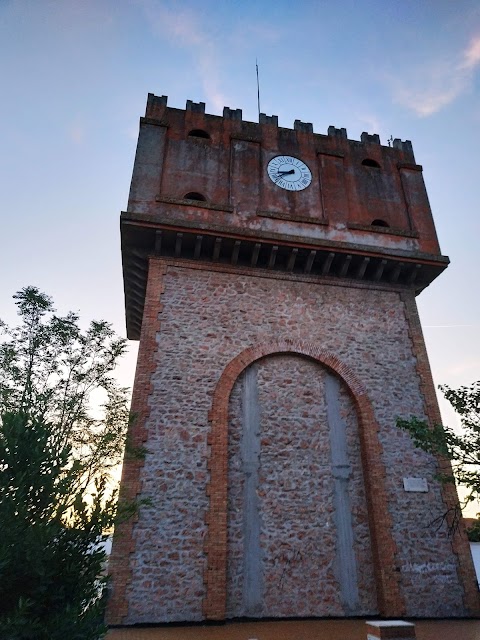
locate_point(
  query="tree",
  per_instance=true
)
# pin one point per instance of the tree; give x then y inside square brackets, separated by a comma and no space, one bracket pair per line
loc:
[460,450]
[63,422]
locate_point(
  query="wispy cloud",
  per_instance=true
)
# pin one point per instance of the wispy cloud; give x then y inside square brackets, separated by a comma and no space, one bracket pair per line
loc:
[131,131]
[369,122]
[471,55]
[463,370]
[447,326]
[437,83]
[77,131]
[184,28]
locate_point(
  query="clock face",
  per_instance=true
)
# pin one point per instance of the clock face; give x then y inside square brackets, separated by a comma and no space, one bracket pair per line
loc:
[289,173]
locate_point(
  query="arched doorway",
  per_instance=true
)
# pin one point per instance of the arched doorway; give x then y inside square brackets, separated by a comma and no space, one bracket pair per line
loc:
[298,534]
[390,601]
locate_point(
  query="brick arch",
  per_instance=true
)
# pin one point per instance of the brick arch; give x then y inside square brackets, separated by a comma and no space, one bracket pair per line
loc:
[390,600]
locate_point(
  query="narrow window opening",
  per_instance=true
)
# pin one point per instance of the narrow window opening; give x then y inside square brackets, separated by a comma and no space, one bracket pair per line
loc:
[199,133]
[193,195]
[368,162]
[380,223]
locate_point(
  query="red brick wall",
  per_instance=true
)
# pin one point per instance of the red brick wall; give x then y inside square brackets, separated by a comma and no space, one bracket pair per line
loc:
[229,170]
[121,560]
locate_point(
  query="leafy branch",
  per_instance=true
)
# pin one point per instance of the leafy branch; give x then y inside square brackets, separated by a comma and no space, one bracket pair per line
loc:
[459,451]
[63,424]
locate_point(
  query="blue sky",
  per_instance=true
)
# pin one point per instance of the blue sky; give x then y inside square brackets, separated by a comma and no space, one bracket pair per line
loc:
[75,76]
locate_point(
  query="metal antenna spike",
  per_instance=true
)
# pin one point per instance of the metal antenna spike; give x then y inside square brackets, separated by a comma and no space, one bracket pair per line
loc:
[258,90]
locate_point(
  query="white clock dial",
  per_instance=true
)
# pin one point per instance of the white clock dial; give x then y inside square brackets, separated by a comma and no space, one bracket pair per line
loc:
[289,173]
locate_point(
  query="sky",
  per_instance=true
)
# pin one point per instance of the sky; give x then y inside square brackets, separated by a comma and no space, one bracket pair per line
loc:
[75,76]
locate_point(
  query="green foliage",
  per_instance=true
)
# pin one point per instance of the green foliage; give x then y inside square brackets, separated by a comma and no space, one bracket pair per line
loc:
[461,449]
[473,532]
[63,421]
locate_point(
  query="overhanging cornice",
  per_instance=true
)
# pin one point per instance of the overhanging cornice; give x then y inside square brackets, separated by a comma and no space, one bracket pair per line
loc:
[142,237]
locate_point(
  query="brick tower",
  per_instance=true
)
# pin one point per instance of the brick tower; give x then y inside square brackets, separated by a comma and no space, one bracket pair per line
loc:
[270,276]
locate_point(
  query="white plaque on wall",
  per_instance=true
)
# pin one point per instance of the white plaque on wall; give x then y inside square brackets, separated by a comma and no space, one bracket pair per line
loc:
[418,485]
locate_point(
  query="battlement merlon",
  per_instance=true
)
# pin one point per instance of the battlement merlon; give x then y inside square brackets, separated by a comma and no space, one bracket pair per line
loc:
[157,108]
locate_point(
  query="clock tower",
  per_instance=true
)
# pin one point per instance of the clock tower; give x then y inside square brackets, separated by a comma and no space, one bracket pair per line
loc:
[270,276]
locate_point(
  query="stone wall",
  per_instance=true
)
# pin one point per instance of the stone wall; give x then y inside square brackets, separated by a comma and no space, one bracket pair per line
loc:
[209,315]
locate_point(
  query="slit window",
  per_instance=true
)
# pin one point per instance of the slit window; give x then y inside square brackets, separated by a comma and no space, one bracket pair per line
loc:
[193,195]
[199,133]
[368,162]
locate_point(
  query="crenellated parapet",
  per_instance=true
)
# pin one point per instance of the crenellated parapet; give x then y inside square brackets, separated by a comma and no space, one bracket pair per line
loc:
[337,133]
[373,138]
[157,106]
[403,145]
[196,107]
[304,127]
[271,120]
[232,114]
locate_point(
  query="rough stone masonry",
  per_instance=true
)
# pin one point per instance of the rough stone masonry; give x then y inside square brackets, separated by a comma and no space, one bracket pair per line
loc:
[279,341]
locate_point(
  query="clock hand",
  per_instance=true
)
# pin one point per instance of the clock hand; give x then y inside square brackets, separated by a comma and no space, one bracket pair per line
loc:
[281,174]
